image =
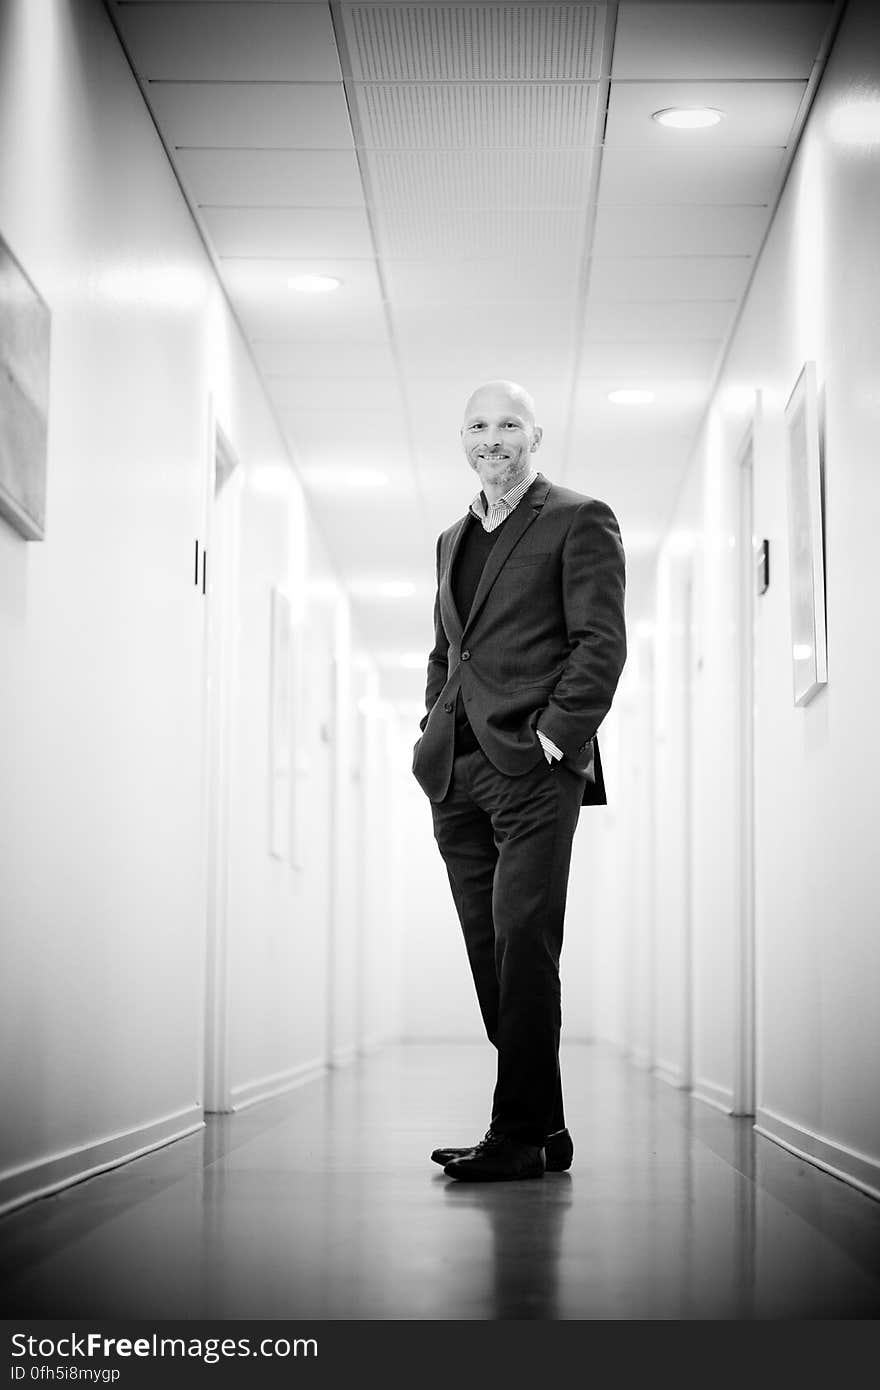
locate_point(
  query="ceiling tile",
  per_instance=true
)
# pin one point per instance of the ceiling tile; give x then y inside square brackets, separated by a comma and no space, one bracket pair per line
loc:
[231,42]
[755,113]
[469,280]
[306,360]
[306,321]
[677,400]
[725,175]
[364,522]
[248,115]
[292,395]
[488,179]
[426,233]
[661,322]
[641,363]
[349,430]
[442,43]
[467,361]
[679,231]
[456,116]
[272,178]
[660,278]
[443,328]
[266,281]
[717,40]
[297,233]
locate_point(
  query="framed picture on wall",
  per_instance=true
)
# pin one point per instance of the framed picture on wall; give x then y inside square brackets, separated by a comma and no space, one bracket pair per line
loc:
[805,539]
[279,724]
[24,399]
[299,745]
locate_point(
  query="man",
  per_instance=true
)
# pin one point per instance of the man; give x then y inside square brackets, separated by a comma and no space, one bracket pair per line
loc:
[529,645]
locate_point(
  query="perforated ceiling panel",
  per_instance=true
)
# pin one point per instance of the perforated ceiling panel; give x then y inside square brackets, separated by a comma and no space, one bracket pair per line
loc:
[538,115]
[477,129]
[442,43]
[550,180]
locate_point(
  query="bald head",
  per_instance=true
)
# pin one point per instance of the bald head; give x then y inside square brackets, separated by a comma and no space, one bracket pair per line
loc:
[503,394]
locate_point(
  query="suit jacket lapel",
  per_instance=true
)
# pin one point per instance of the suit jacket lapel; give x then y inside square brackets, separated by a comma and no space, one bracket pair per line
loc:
[452,623]
[511,530]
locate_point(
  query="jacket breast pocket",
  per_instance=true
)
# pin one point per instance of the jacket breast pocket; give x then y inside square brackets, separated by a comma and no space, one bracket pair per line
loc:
[533,558]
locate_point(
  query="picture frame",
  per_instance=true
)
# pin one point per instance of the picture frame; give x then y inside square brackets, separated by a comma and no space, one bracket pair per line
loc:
[299,746]
[280,724]
[25,324]
[806,548]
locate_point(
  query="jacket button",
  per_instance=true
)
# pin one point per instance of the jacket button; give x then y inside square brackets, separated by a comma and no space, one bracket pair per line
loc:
[448,706]
[465,656]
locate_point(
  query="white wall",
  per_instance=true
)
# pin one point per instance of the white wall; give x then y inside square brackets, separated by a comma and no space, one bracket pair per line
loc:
[438,998]
[102,834]
[815,295]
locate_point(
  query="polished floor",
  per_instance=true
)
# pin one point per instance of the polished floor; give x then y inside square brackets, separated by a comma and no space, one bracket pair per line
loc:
[323,1204]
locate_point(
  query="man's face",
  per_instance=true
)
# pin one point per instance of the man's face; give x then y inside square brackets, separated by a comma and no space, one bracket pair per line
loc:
[499,435]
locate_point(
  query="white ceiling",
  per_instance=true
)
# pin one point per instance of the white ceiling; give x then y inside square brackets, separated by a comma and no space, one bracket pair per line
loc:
[487,182]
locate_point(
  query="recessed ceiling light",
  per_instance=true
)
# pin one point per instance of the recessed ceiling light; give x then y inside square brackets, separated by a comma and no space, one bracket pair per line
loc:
[687,117]
[313,284]
[630,396]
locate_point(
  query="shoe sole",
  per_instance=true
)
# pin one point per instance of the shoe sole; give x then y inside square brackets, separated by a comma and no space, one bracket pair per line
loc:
[491,1177]
[560,1166]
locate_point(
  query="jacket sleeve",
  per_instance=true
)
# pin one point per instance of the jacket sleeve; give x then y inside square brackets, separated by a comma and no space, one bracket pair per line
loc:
[593,590]
[438,663]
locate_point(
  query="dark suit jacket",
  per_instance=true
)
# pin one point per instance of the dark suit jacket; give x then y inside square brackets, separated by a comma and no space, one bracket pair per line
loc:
[542,648]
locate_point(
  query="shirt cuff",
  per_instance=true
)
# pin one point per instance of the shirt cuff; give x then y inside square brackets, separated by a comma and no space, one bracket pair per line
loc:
[549,746]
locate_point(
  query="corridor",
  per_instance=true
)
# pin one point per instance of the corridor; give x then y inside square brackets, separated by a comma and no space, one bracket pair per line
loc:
[323,1204]
[385,385]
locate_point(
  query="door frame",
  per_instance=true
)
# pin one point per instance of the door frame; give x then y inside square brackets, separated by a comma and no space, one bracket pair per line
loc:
[223,517]
[744,1055]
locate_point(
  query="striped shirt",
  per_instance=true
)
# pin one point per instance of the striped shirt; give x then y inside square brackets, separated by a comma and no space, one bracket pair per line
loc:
[490,516]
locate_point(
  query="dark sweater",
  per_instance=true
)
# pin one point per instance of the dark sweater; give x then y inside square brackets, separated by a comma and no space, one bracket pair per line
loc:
[473,552]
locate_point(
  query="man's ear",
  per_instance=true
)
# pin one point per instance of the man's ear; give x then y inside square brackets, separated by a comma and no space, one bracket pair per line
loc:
[539,435]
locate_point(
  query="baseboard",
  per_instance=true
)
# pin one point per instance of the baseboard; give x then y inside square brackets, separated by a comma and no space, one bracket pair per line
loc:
[858,1169]
[265,1087]
[671,1074]
[48,1175]
[719,1096]
[343,1056]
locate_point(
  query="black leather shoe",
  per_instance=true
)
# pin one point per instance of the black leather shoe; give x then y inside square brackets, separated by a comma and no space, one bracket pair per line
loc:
[558,1150]
[498,1158]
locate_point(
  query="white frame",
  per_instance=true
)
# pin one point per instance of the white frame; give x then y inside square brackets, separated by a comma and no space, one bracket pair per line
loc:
[280,722]
[25,331]
[805,544]
[744,1086]
[224,480]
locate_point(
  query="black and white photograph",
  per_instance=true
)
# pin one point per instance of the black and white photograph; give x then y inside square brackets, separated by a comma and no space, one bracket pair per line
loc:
[438,851]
